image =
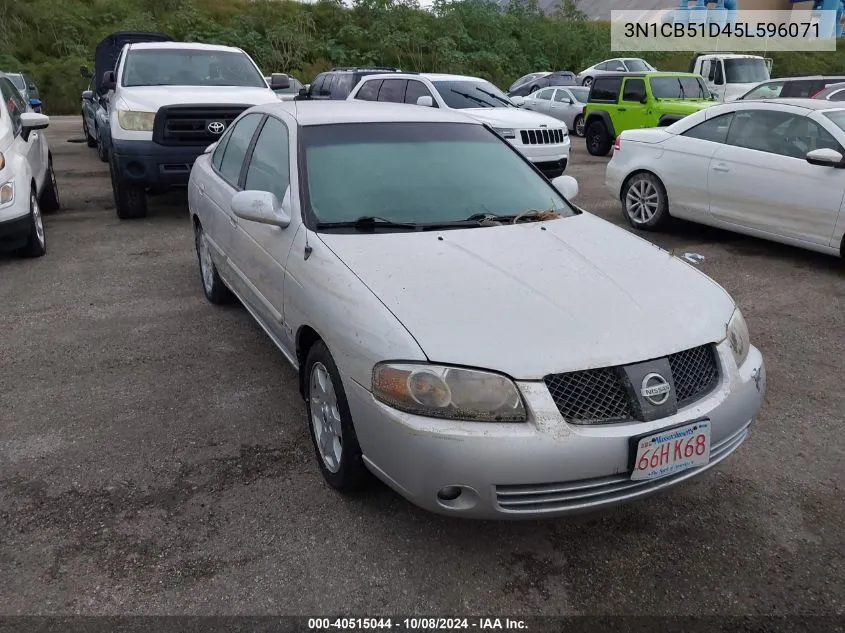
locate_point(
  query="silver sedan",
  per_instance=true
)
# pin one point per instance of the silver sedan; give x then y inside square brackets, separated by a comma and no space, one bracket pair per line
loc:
[461,330]
[563,103]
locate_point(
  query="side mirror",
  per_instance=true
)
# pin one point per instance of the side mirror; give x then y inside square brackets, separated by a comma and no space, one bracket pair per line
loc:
[262,207]
[88,95]
[567,186]
[31,121]
[825,157]
[715,96]
[84,72]
[109,81]
[426,101]
[518,101]
[644,99]
[279,81]
[210,148]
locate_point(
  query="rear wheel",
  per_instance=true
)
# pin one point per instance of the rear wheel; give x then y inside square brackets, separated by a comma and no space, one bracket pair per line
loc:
[212,285]
[36,242]
[102,150]
[644,201]
[588,81]
[598,138]
[90,140]
[50,195]
[578,125]
[130,201]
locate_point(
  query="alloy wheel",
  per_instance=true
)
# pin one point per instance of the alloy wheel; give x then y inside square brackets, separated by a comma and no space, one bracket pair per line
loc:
[325,417]
[642,201]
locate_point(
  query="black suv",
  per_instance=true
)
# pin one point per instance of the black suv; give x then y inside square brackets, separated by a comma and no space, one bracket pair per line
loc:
[337,83]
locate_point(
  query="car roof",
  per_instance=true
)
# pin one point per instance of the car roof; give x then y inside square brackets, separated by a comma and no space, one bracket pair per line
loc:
[809,104]
[333,112]
[183,46]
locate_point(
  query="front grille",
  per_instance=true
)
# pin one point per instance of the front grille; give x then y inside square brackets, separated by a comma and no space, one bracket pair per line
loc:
[587,494]
[188,124]
[603,396]
[542,136]
[695,372]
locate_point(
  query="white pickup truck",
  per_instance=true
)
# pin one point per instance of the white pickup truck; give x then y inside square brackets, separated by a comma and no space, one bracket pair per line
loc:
[166,102]
[729,75]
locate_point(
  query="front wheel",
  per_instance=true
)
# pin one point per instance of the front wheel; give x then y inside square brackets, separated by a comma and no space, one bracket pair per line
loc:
[644,201]
[578,125]
[90,140]
[130,201]
[212,285]
[588,81]
[598,139]
[330,423]
[102,150]
[36,242]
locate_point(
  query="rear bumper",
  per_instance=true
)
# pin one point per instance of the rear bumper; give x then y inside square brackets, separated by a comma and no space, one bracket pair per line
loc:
[154,166]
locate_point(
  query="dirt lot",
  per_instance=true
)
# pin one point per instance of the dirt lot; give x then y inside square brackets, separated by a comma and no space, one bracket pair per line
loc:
[154,455]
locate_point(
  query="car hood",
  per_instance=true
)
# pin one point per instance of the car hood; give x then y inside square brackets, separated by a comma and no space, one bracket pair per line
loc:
[151,98]
[539,298]
[510,117]
[683,106]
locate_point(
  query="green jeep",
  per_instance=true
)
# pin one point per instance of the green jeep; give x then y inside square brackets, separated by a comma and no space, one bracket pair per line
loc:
[627,101]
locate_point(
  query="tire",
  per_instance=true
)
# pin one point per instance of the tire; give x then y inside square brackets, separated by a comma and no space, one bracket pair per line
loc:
[130,201]
[588,81]
[578,126]
[50,196]
[329,417]
[90,140]
[644,201]
[598,138]
[212,285]
[102,150]
[36,242]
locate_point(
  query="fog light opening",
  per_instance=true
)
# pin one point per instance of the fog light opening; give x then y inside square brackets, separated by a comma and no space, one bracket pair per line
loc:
[449,493]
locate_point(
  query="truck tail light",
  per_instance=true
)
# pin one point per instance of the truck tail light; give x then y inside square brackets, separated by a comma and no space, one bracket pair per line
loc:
[617,144]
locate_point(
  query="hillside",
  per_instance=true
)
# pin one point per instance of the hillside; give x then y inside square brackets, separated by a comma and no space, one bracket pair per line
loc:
[50,39]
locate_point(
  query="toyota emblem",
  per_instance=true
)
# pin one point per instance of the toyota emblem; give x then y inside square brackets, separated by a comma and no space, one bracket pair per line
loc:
[216,127]
[655,389]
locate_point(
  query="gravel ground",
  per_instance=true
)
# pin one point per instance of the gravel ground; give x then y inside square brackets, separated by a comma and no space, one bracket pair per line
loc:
[154,455]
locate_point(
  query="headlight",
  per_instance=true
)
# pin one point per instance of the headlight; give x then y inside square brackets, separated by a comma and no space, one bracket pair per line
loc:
[7,194]
[136,121]
[448,392]
[505,132]
[2,160]
[738,337]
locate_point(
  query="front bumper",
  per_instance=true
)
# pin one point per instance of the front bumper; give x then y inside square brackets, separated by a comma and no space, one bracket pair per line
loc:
[544,467]
[154,166]
[549,159]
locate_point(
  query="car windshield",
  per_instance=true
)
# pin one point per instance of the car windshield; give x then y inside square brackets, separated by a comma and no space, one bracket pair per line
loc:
[838,118]
[17,80]
[417,173]
[637,65]
[472,94]
[679,88]
[746,70]
[580,94]
[190,67]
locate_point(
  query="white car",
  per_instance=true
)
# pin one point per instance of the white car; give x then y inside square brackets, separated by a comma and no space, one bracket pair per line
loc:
[774,169]
[27,182]
[542,139]
[462,330]
[615,67]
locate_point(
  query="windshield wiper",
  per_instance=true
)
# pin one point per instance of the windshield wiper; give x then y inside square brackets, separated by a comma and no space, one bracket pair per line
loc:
[495,96]
[469,96]
[529,215]
[368,223]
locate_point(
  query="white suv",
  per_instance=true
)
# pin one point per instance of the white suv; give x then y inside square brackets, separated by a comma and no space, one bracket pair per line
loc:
[167,101]
[27,181]
[540,138]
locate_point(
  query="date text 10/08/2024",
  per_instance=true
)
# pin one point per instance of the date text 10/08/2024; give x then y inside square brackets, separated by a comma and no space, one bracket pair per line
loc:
[711,29]
[421,623]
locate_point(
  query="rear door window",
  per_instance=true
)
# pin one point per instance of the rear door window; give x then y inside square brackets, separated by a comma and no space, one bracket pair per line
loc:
[237,146]
[801,89]
[369,91]
[393,90]
[606,89]
[343,86]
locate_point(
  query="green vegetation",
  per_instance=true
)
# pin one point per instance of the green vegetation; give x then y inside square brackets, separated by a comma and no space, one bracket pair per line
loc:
[50,39]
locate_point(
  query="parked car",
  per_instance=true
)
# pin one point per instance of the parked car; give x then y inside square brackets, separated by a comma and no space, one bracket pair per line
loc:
[289,93]
[832,92]
[90,102]
[791,87]
[525,79]
[544,140]
[409,323]
[565,104]
[627,101]
[774,169]
[337,83]
[614,66]
[167,102]
[27,89]
[27,181]
[558,78]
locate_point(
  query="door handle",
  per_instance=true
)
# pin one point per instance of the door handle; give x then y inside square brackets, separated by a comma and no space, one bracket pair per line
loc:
[622,109]
[723,168]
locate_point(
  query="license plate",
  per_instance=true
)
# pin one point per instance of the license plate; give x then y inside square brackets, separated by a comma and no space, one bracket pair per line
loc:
[672,450]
